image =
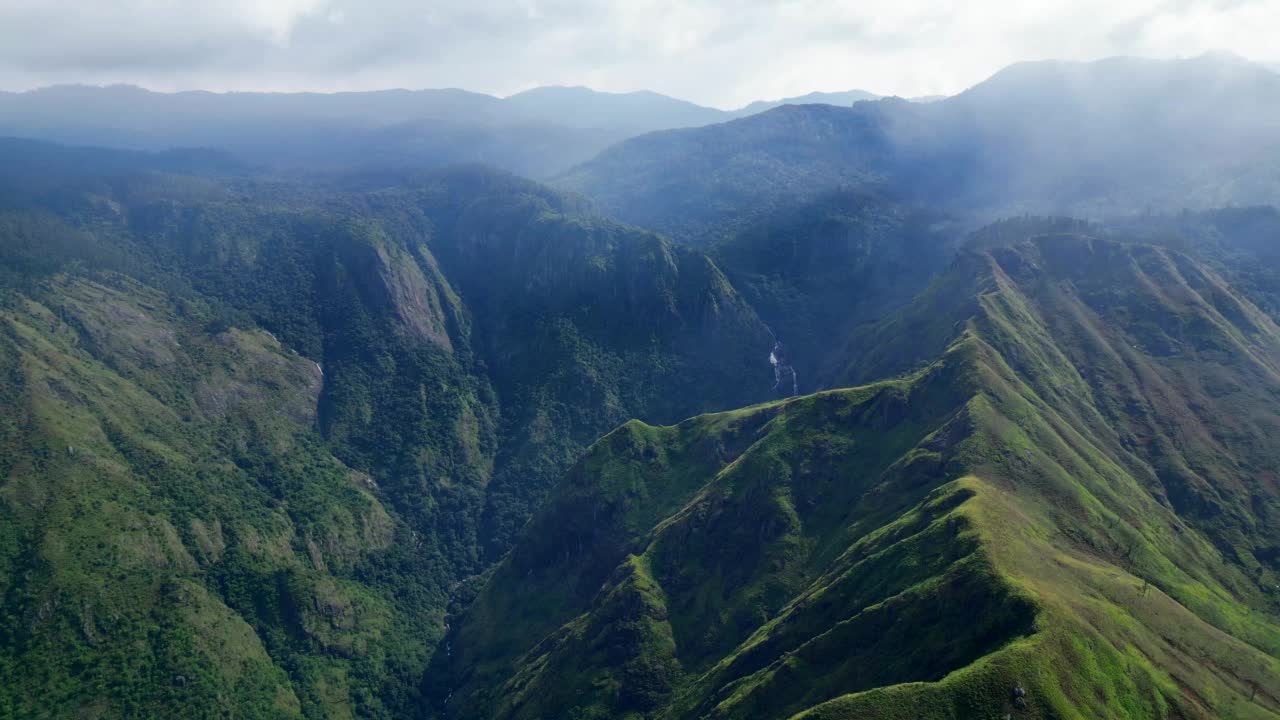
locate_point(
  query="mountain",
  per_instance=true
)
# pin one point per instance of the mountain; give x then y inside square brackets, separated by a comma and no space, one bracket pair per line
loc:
[306,131]
[257,434]
[844,99]
[1236,242]
[1065,507]
[816,272]
[692,183]
[390,441]
[536,133]
[145,111]
[635,112]
[1095,137]
[1116,136]
[174,536]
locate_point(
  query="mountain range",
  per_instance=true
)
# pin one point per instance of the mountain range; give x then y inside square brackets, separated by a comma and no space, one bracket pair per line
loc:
[537,132]
[1022,523]
[1087,139]
[960,409]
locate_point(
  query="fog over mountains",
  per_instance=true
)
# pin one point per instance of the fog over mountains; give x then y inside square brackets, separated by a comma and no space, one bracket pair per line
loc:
[1041,137]
[579,405]
[538,132]
[1102,138]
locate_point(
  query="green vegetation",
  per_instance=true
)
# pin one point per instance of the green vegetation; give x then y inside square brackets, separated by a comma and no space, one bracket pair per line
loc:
[172,530]
[1064,514]
[817,271]
[257,435]
[271,449]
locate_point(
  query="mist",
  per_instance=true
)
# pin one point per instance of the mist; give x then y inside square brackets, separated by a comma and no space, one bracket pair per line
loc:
[656,360]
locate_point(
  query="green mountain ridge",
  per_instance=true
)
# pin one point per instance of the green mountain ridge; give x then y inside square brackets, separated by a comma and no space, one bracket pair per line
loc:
[366,446]
[1066,513]
[272,427]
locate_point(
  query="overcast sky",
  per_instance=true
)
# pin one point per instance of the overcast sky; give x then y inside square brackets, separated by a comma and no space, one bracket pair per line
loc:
[716,52]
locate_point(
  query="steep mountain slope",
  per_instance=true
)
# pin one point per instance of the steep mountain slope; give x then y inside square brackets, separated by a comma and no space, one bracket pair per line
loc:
[1067,509]
[1087,139]
[173,530]
[263,430]
[259,437]
[817,271]
[689,183]
[1237,242]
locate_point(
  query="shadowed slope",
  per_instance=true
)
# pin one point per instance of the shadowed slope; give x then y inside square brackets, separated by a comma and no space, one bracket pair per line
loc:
[1112,137]
[1074,499]
[441,352]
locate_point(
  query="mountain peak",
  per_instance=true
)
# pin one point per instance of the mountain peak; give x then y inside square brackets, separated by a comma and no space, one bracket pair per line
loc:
[1086,77]
[1225,57]
[843,98]
[583,91]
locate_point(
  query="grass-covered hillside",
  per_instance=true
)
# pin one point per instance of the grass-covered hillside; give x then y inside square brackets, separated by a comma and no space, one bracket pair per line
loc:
[257,434]
[398,444]
[177,540]
[1064,506]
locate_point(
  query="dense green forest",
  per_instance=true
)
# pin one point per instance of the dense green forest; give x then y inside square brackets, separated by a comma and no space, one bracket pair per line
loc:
[875,412]
[309,414]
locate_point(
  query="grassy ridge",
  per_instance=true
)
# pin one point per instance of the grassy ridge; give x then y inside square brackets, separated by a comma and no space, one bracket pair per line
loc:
[1065,514]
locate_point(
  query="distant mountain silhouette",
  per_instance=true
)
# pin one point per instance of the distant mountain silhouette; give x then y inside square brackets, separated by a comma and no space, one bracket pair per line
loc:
[536,133]
[845,99]
[1113,136]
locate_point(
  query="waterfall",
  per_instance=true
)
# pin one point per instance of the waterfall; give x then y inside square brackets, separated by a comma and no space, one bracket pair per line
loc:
[782,366]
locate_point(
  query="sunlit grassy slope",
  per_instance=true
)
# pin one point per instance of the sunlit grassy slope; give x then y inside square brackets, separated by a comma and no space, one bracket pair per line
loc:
[1065,506]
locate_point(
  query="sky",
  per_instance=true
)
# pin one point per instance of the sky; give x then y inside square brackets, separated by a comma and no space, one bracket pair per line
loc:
[724,53]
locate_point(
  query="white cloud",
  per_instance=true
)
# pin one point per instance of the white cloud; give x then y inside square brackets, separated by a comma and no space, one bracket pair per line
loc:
[715,51]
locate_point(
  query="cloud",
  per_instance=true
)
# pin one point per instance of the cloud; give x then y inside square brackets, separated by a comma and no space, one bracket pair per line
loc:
[713,51]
